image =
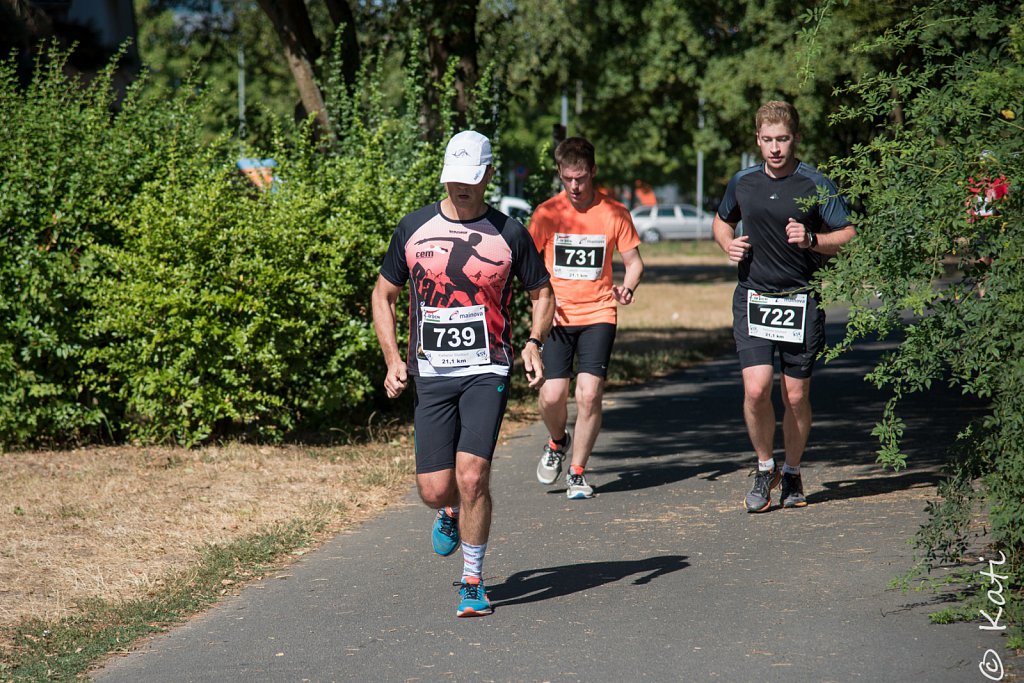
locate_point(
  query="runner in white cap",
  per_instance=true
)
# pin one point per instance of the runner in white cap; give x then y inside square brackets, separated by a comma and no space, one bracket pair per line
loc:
[460,257]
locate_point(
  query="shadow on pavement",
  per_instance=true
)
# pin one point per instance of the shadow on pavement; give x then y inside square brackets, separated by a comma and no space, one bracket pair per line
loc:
[858,488]
[700,432]
[658,475]
[554,582]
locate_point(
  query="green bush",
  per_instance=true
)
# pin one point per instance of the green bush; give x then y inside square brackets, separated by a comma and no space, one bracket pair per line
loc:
[68,172]
[925,265]
[150,292]
[230,309]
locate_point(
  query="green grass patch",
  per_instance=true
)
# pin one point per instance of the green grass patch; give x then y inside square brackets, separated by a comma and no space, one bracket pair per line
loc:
[62,650]
[681,248]
[634,367]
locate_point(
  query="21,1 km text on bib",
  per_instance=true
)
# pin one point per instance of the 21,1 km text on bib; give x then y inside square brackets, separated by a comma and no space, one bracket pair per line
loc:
[778,318]
[579,257]
[454,337]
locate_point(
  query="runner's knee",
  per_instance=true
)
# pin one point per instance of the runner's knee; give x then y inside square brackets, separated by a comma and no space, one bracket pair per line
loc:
[756,393]
[795,394]
[436,492]
[588,399]
[473,481]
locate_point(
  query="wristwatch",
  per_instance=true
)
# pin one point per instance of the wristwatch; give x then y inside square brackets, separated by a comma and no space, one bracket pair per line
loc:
[814,240]
[536,342]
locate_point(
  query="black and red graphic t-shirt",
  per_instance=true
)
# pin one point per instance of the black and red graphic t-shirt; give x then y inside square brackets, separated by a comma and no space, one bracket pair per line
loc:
[461,285]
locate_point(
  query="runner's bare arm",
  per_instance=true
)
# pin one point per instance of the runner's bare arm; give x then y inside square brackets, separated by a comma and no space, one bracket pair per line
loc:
[634,271]
[385,295]
[827,243]
[725,235]
[543,301]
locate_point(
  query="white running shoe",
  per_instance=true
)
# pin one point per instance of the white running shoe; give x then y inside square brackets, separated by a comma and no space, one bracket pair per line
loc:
[577,487]
[550,465]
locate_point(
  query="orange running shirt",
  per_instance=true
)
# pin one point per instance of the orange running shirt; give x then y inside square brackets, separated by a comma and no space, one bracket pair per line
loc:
[578,248]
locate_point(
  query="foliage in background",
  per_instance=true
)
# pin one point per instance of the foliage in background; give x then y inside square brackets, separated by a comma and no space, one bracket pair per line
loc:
[151,292]
[202,49]
[68,172]
[634,71]
[939,258]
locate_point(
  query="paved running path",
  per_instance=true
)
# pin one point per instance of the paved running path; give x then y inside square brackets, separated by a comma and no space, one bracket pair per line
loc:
[661,577]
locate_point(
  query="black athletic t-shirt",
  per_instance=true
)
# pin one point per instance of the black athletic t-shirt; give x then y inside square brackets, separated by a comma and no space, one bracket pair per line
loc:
[455,268]
[765,205]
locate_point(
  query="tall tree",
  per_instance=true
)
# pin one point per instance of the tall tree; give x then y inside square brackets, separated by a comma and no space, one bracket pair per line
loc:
[450,27]
[302,50]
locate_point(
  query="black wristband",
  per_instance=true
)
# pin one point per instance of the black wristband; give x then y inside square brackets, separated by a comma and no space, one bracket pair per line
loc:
[628,289]
[537,342]
[814,240]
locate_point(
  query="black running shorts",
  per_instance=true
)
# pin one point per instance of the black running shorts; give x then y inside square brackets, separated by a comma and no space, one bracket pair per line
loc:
[457,414]
[795,360]
[591,344]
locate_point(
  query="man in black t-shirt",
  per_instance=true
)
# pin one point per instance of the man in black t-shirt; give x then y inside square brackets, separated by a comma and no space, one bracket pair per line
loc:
[460,257]
[792,218]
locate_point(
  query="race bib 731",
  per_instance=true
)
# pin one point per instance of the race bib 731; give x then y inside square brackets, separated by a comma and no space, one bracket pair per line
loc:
[578,257]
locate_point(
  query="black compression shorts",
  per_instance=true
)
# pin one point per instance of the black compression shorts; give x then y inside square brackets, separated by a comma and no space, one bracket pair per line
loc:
[795,360]
[457,414]
[591,344]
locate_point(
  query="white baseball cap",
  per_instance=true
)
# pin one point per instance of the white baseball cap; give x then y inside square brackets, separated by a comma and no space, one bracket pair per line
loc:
[466,158]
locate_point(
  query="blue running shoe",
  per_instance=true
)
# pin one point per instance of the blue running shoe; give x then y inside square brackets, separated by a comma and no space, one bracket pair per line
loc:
[473,598]
[446,533]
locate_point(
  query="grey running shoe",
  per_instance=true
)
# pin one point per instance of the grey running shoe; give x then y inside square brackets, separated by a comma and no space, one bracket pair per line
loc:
[576,486]
[793,491]
[550,465]
[760,497]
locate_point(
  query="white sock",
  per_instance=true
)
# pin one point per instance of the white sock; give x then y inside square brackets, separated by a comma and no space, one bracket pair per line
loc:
[789,469]
[473,559]
[766,465]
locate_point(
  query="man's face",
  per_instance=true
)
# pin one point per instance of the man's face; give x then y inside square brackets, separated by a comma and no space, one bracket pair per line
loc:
[466,196]
[579,185]
[778,147]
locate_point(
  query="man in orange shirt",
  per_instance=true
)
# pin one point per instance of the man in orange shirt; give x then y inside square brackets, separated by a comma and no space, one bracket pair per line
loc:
[577,230]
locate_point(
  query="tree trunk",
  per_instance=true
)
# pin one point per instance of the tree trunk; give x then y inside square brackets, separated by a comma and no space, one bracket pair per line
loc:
[291,21]
[451,33]
[897,107]
[341,15]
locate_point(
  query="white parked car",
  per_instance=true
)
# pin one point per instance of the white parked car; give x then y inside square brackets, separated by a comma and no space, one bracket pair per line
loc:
[671,222]
[515,207]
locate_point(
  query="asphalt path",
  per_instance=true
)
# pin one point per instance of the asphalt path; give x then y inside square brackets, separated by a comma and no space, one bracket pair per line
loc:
[660,577]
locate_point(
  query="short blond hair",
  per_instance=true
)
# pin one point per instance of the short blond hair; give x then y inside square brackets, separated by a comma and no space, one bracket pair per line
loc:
[778,112]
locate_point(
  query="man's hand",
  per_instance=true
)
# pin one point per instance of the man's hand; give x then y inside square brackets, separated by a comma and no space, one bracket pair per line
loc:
[623,294]
[396,380]
[798,234]
[739,248]
[533,364]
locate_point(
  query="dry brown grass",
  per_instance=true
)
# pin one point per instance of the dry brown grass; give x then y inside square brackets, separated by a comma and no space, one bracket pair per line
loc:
[682,292]
[113,523]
